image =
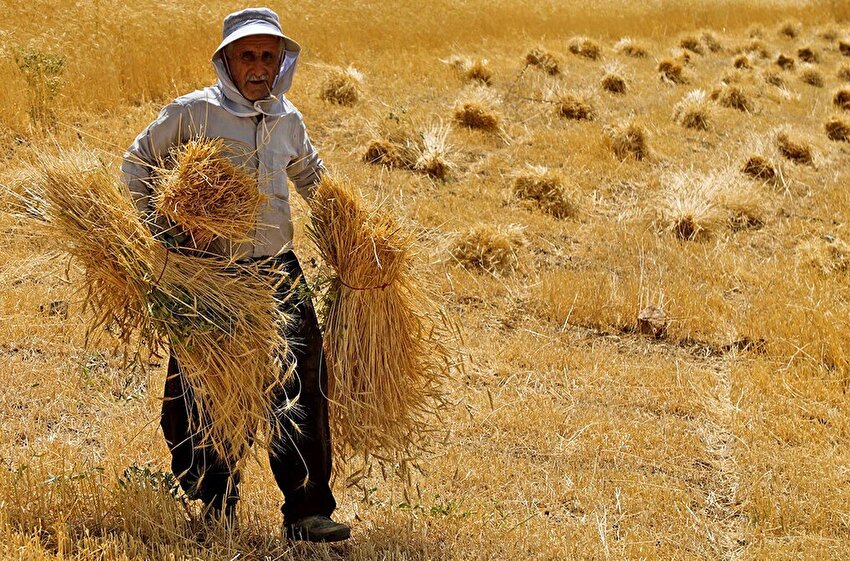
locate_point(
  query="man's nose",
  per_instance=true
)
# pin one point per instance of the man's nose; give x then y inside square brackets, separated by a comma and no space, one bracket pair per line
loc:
[257,67]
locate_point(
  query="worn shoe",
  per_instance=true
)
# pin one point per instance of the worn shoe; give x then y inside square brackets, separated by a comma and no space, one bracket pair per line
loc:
[316,529]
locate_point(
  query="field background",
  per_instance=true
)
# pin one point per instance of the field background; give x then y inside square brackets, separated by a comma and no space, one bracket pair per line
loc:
[573,436]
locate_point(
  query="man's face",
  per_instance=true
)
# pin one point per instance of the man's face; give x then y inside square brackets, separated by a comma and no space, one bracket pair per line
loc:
[254,62]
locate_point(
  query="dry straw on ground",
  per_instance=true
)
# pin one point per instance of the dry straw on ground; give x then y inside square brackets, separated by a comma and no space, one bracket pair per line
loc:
[694,111]
[844,47]
[490,248]
[544,60]
[843,73]
[221,322]
[631,48]
[828,254]
[570,106]
[206,195]
[383,332]
[342,86]
[585,47]
[477,110]
[630,141]
[546,190]
[837,129]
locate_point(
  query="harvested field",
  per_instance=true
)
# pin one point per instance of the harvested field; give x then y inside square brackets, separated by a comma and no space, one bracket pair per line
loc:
[650,286]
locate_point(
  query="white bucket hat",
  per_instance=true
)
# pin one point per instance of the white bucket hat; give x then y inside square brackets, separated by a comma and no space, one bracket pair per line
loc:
[250,21]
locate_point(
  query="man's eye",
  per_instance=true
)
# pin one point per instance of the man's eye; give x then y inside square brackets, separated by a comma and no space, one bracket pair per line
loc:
[268,57]
[247,57]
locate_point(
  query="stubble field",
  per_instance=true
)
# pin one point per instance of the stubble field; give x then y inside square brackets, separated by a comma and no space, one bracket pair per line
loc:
[651,284]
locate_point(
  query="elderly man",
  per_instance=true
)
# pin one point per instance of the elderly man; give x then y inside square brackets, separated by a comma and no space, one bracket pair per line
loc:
[265,133]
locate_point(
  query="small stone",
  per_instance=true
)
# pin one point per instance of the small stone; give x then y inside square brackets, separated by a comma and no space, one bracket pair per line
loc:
[652,321]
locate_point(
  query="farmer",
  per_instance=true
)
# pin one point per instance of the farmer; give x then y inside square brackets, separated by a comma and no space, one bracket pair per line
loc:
[265,134]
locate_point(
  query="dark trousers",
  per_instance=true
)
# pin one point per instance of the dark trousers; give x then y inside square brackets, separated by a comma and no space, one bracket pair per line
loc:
[300,457]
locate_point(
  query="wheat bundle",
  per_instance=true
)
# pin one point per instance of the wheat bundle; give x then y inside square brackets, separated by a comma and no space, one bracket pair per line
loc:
[791,29]
[342,86]
[433,152]
[478,112]
[613,82]
[774,79]
[385,349]
[812,77]
[388,153]
[490,248]
[546,189]
[692,43]
[829,33]
[734,97]
[711,41]
[742,62]
[841,99]
[796,149]
[837,129]
[629,141]
[760,168]
[543,59]
[756,31]
[785,62]
[693,111]
[585,47]
[672,71]
[755,47]
[222,322]
[575,108]
[628,47]
[808,54]
[689,208]
[206,194]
